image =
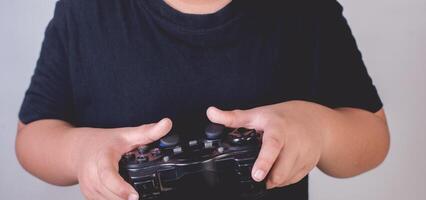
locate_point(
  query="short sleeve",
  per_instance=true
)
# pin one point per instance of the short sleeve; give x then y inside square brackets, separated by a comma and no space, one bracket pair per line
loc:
[49,95]
[343,80]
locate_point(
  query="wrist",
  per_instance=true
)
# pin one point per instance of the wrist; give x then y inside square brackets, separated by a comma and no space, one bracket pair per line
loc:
[321,118]
[77,140]
[329,119]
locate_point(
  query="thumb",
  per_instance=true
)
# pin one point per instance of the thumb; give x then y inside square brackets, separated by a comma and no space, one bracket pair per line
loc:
[233,119]
[148,133]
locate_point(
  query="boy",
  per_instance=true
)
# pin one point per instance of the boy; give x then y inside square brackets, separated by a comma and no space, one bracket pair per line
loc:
[108,69]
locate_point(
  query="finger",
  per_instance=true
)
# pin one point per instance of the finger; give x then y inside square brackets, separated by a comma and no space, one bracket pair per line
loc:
[147,134]
[92,188]
[296,178]
[92,194]
[88,185]
[109,177]
[283,168]
[299,172]
[272,143]
[88,194]
[99,196]
[106,193]
[236,118]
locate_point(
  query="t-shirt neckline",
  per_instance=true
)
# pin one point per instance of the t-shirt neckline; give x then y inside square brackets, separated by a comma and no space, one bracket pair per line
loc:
[194,22]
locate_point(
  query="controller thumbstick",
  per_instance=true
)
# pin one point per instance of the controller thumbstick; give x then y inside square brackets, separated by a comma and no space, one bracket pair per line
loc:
[169,141]
[214,131]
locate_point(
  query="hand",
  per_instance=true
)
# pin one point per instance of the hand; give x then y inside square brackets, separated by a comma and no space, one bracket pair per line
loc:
[294,134]
[99,152]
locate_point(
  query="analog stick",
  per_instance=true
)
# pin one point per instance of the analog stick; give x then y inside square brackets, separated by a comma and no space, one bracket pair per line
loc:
[169,141]
[214,131]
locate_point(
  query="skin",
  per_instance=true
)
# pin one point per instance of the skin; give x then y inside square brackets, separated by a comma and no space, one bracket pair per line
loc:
[298,136]
[197,6]
[60,154]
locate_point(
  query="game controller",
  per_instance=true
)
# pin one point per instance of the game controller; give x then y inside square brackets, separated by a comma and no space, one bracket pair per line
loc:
[220,161]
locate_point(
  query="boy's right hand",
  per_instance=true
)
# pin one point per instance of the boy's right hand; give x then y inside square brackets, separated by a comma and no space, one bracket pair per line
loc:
[98,153]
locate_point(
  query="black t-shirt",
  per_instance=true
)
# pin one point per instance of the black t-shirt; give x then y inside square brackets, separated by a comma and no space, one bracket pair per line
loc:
[120,63]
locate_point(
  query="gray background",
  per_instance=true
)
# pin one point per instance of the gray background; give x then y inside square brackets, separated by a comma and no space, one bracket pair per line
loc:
[391,34]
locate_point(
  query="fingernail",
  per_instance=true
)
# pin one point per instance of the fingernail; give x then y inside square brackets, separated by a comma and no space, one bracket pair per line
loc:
[164,121]
[213,109]
[133,197]
[258,175]
[209,110]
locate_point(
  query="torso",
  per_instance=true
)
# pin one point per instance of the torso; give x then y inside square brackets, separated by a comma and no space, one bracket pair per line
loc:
[131,64]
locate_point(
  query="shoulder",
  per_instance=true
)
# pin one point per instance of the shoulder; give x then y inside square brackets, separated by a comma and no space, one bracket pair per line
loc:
[82,16]
[300,13]
[305,8]
[82,5]
[86,9]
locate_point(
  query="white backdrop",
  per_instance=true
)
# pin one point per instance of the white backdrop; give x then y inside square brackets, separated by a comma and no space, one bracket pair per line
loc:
[390,33]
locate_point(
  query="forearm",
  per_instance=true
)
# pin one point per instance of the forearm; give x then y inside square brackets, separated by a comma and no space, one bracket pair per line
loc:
[46,149]
[356,141]
[60,154]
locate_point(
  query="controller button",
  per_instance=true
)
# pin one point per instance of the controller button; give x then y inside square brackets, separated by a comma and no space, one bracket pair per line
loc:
[169,141]
[241,136]
[237,141]
[155,152]
[214,131]
[193,143]
[141,159]
[129,156]
[220,149]
[177,150]
[208,144]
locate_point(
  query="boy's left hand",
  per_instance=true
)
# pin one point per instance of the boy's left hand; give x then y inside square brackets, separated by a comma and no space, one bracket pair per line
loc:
[293,139]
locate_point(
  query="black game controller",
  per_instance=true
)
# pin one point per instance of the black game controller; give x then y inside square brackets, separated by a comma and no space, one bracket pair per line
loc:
[219,162]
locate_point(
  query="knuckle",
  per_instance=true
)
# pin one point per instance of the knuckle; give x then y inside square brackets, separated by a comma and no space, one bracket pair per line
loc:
[294,181]
[274,141]
[262,113]
[122,191]
[143,127]
[284,122]
[262,118]
[306,168]
[119,139]
[103,175]
[265,161]
[232,119]
[237,112]
[277,179]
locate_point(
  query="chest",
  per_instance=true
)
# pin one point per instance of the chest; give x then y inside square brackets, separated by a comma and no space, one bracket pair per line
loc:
[127,80]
